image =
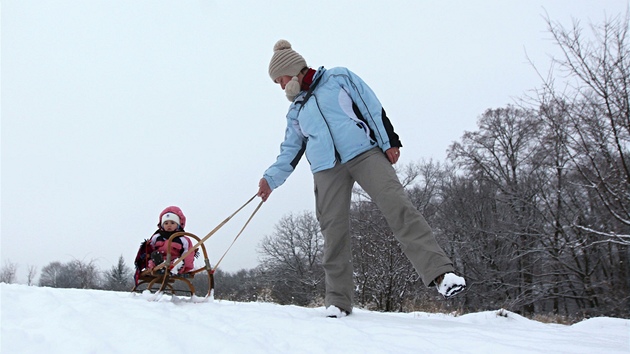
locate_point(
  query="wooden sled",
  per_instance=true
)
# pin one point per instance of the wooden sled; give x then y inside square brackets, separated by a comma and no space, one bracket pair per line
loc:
[160,280]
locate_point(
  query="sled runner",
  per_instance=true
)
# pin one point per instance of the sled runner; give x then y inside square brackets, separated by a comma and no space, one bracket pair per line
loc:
[160,279]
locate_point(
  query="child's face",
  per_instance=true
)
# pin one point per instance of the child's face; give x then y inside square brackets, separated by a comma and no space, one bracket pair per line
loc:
[169,225]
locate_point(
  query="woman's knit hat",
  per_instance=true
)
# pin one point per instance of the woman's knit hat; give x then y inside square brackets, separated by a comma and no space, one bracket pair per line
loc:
[285,61]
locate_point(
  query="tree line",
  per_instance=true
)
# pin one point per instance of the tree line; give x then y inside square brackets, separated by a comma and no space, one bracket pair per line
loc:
[533,207]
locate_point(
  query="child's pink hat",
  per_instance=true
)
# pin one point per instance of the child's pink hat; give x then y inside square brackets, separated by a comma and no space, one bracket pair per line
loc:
[173,213]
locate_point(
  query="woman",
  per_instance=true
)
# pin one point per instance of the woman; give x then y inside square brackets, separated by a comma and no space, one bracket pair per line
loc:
[337,120]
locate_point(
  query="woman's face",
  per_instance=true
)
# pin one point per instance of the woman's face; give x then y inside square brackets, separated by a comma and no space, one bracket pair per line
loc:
[282,81]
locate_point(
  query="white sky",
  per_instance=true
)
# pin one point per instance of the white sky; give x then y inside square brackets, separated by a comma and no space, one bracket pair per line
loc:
[59,321]
[113,110]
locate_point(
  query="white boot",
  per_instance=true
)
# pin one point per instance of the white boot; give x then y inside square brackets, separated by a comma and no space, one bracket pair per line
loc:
[175,270]
[333,311]
[450,285]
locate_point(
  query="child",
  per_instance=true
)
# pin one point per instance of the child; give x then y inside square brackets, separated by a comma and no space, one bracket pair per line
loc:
[152,252]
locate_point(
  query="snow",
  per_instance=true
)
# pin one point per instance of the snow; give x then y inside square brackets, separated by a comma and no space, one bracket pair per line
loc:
[48,320]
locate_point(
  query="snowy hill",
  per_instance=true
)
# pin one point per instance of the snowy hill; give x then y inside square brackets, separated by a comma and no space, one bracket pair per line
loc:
[47,320]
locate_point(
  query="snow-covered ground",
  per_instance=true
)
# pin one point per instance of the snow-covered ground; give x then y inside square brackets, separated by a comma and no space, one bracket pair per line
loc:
[47,320]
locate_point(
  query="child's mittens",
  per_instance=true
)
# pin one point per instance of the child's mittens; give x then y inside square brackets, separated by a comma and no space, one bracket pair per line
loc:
[156,257]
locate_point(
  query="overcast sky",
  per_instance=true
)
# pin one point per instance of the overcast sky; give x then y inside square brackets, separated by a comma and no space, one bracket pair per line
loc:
[114,110]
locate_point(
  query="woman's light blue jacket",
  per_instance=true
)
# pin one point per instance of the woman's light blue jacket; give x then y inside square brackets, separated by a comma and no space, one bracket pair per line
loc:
[339,118]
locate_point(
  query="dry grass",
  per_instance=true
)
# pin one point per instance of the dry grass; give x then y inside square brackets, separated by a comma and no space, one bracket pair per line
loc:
[558,319]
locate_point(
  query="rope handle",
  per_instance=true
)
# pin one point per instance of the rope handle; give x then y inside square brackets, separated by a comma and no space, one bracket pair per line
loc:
[192,249]
[239,234]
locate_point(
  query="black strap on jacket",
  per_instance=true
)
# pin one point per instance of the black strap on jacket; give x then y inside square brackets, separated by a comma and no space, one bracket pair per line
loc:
[309,93]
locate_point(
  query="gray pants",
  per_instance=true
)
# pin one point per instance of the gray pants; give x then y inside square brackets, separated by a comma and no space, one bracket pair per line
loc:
[377,177]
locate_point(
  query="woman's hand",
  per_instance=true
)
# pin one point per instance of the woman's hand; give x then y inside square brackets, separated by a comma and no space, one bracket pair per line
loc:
[263,189]
[393,154]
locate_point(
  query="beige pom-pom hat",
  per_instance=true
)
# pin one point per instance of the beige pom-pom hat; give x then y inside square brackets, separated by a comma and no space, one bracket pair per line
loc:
[285,61]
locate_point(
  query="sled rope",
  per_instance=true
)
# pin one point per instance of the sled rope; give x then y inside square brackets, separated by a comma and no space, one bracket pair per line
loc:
[239,234]
[192,249]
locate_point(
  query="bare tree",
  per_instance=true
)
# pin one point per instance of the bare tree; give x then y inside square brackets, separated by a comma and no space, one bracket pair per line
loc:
[87,274]
[53,276]
[504,154]
[243,285]
[590,121]
[291,259]
[30,277]
[383,275]
[599,115]
[8,273]
[74,274]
